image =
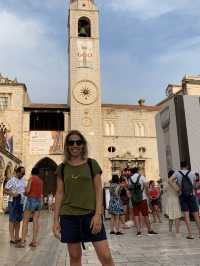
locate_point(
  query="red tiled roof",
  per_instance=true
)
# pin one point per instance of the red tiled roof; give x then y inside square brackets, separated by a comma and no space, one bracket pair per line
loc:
[113,106]
[151,108]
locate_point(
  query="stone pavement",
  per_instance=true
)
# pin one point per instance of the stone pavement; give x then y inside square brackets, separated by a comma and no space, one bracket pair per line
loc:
[127,250]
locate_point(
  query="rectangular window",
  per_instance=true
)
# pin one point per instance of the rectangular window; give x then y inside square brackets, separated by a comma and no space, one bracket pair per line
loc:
[3,102]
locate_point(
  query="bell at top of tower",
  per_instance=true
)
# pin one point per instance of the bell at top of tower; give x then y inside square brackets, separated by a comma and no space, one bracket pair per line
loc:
[84,27]
[82,4]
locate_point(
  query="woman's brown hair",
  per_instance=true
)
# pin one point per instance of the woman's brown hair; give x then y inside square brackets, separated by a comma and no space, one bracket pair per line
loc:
[84,153]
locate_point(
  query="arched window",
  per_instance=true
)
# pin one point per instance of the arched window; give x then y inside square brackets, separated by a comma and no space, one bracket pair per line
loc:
[109,129]
[139,129]
[84,27]
[142,130]
[112,129]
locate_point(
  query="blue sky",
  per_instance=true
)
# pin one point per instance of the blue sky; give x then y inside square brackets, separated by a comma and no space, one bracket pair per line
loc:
[145,45]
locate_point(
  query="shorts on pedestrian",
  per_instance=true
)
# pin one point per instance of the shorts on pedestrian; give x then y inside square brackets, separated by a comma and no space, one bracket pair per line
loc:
[15,209]
[188,204]
[76,229]
[141,207]
[33,204]
[155,202]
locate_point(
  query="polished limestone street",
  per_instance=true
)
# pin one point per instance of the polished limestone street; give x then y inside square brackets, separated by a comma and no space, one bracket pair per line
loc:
[163,249]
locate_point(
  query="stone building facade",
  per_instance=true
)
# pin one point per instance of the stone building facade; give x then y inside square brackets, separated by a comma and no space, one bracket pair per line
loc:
[118,135]
[178,126]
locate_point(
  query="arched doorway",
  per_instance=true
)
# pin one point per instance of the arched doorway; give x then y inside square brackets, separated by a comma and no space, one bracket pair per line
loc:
[47,169]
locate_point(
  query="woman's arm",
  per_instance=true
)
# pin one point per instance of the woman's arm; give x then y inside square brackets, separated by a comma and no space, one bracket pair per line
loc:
[28,187]
[99,194]
[96,223]
[172,182]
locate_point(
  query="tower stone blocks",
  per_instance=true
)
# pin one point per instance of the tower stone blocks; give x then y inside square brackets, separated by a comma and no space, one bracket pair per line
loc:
[84,97]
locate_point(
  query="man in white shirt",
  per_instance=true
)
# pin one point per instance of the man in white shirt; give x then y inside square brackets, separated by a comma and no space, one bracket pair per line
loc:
[186,180]
[15,188]
[139,200]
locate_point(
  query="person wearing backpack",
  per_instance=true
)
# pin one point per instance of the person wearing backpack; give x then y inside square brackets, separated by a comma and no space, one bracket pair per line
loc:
[186,180]
[138,189]
[79,201]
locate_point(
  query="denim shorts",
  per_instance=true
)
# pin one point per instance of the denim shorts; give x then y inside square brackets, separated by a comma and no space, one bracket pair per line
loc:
[15,209]
[76,229]
[33,204]
[188,204]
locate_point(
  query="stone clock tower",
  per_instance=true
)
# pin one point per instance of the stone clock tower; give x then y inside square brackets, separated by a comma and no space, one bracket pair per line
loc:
[84,96]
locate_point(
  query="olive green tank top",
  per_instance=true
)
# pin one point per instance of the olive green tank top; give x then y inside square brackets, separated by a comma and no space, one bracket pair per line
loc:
[79,197]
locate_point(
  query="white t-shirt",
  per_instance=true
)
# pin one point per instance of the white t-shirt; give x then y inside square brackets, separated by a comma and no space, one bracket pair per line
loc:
[142,181]
[16,185]
[179,177]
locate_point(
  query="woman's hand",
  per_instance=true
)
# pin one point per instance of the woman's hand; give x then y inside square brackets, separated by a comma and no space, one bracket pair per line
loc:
[96,224]
[56,230]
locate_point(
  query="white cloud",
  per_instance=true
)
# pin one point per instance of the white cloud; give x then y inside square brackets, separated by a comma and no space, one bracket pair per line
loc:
[189,49]
[30,53]
[145,9]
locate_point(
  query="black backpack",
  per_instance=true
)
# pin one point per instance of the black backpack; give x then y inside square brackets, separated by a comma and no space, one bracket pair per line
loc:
[136,191]
[186,185]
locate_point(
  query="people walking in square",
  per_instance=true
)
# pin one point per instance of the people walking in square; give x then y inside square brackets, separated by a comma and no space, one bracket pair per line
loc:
[139,188]
[173,209]
[186,180]
[79,201]
[34,193]
[15,188]
[115,206]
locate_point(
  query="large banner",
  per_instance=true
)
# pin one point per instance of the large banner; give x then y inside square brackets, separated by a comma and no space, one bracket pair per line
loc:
[46,142]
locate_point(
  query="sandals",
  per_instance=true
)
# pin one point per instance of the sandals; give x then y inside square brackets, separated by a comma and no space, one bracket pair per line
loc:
[20,245]
[33,244]
[190,237]
[13,242]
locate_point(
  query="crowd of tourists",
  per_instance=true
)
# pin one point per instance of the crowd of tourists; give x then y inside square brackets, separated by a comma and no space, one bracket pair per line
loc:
[77,206]
[133,198]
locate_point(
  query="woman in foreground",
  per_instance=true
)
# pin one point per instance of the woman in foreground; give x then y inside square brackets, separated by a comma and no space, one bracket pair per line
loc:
[78,204]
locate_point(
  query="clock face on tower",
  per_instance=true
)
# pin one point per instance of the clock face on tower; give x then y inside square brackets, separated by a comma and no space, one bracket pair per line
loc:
[85,92]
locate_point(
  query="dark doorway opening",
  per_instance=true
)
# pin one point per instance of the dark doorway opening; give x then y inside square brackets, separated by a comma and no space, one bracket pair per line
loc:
[47,121]
[47,169]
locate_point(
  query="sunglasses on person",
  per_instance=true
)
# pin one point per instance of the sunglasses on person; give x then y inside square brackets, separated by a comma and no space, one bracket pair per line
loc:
[72,142]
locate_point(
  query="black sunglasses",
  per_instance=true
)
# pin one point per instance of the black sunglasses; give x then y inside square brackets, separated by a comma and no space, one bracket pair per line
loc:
[72,142]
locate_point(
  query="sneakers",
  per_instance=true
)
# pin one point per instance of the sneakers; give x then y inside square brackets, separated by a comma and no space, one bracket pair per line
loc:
[139,234]
[152,233]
